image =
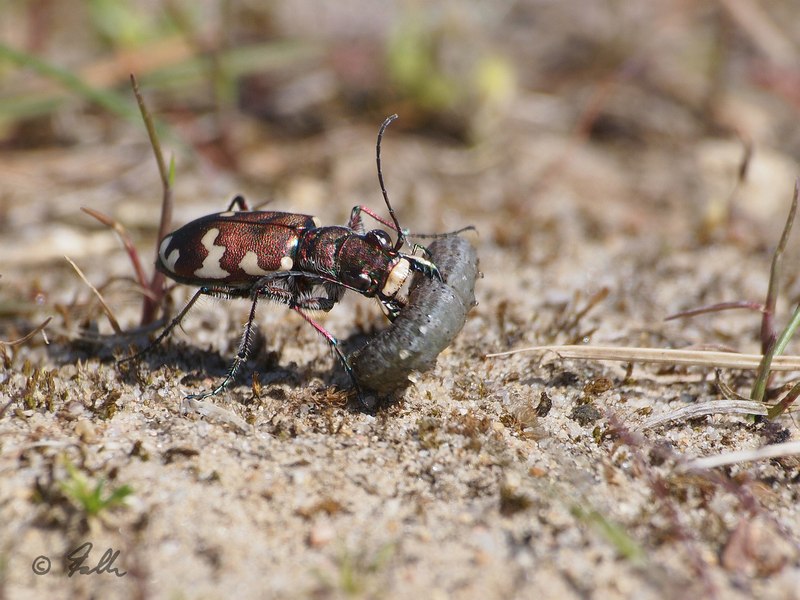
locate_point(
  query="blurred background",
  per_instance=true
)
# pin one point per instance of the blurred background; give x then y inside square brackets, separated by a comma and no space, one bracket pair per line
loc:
[545,124]
[620,161]
[231,80]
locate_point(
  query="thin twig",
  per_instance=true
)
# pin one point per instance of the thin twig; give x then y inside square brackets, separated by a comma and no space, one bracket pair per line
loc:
[718,307]
[784,403]
[593,301]
[120,230]
[726,390]
[111,319]
[150,305]
[767,325]
[29,335]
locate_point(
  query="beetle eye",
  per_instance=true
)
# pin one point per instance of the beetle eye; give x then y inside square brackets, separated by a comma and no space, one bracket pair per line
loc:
[381,237]
[367,283]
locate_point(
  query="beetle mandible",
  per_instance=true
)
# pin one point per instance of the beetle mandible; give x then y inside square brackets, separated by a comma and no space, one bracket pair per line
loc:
[289,258]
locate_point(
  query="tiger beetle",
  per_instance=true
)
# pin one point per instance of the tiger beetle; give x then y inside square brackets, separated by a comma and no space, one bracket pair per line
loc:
[289,258]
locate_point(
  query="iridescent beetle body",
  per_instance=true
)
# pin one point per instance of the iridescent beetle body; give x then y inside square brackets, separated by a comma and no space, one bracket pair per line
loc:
[266,253]
[231,248]
[290,259]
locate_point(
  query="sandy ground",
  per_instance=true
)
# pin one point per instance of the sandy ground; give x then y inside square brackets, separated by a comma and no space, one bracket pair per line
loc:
[507,477]
[496,477]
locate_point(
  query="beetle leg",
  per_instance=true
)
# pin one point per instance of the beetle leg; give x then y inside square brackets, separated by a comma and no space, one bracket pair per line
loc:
[356,223]
[275,294]
[292,299]
[392,307]
[241,357]
[334,344]
[238,200]
[203,291]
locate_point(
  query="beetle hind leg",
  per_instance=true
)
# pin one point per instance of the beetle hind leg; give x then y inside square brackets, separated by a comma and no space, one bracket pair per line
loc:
[238,200]
[203,291]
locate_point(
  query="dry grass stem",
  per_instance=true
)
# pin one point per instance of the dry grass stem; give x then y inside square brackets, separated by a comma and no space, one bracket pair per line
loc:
[151,305]
[111,318]
[126,240]
[717,407]
[29,335]
[699,358]
[740,456]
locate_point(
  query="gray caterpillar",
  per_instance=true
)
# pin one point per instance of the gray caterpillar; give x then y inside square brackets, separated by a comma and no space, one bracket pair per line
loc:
[429,322]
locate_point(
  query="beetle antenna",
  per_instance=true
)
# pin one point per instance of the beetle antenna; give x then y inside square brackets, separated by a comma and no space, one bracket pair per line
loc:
[442,235]
[400,237]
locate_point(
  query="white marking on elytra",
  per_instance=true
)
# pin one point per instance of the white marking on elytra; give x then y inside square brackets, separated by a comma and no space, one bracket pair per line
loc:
[227,213]
[397,277]
[212,268]
[249,264]
[316,221]
[286,263]
[168,260]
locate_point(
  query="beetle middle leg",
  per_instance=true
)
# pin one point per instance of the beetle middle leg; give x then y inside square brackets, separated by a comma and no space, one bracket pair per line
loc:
[241,357]
[263,291]
[296,302]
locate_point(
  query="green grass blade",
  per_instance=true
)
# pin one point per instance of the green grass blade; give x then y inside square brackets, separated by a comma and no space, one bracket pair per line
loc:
[111,101]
